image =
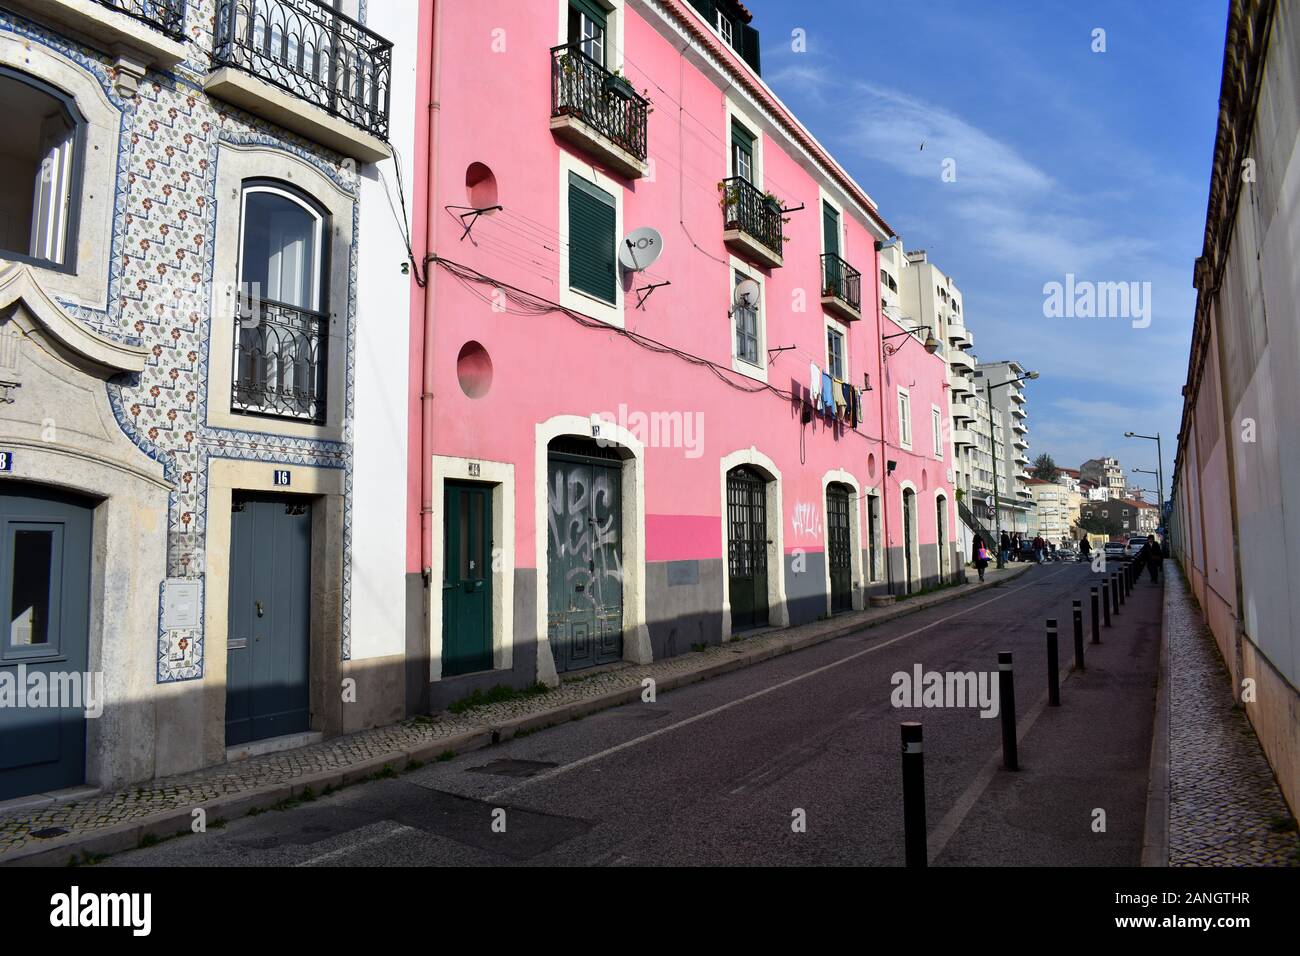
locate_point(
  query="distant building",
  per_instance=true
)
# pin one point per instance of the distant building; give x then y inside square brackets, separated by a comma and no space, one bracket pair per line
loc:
[1105,473]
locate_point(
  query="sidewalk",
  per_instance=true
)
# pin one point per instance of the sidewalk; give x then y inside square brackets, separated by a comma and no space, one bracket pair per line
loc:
[56,834]
[1225,808]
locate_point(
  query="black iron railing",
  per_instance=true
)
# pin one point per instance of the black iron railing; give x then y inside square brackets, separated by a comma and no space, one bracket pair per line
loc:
[582,88]
[841,280]
[753,212]
[165,15]
[281,358]
[977,526]
[311,51]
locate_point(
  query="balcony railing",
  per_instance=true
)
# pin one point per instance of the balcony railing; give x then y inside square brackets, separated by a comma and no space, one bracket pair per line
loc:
[281,358]
[311,51]
[747,209]
[582,88]
[165,15]
[841,280]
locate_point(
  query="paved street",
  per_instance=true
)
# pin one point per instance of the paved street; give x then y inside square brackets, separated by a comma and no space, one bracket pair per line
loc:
[713,773]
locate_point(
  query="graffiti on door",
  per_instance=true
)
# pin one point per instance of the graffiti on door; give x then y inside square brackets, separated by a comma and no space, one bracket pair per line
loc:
[584,521]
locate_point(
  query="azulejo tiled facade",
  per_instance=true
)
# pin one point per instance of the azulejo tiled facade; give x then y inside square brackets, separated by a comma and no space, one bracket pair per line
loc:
[159,304]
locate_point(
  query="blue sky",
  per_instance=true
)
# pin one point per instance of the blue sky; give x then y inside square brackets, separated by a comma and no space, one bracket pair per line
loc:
[1067,161]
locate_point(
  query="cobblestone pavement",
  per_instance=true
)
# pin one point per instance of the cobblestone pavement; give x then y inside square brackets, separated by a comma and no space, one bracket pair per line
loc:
[1225,808]
[136,804]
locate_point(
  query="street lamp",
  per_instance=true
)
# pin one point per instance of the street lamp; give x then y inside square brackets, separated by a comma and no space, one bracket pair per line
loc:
[1160,474]
[997,512]
[931,344]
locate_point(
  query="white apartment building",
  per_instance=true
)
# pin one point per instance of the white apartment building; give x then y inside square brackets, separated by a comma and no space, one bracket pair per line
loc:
[1015,500]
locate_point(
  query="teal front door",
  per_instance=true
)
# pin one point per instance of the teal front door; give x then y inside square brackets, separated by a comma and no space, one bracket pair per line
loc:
[584,563]
[268,642]
[839,547]
[466,578]
[45,611]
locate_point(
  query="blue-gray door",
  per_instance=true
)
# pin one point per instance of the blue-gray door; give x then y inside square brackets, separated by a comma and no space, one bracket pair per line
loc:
[584,561]
[44,603]
[268,646]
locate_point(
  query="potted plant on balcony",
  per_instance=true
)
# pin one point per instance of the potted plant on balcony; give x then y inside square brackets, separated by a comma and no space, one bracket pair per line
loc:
[616,84]
[730,203]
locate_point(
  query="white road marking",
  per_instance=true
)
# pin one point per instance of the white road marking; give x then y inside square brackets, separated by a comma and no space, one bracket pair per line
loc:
[352,848]
[721,708]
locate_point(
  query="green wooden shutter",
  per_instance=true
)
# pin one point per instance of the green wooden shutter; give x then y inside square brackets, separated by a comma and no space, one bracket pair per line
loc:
[831,228]
[742,137]
[592,241]
[595,11]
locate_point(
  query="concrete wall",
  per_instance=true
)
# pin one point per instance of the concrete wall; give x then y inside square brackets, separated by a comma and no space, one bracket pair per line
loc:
[1238,531]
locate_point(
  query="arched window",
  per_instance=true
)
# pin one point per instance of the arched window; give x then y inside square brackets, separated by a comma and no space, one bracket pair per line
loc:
[40,157]
[282,334]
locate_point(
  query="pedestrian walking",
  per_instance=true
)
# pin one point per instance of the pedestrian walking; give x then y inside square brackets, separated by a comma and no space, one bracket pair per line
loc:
[981,556]
[1085,549]
[1005,547]
[1152,555]
[1040,546]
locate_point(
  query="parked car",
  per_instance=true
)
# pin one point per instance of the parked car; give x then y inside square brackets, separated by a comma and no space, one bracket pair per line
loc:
[1114,550]
[1134,546]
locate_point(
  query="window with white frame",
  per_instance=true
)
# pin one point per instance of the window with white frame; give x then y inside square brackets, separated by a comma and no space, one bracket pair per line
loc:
[835,352]
[588,24]
[904,419]
[40,158]
[745,316]
[936,422]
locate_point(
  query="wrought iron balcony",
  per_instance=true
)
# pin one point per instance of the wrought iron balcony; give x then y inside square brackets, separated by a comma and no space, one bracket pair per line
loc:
[752,220]
[165,15]
[598,109]
[310,51]
[281,360]
[841,287]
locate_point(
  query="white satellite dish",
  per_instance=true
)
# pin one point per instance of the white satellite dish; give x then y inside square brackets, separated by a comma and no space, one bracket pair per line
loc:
[746,296]
[640,249]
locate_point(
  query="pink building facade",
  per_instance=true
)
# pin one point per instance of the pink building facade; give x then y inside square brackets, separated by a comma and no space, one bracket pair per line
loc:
[619,450]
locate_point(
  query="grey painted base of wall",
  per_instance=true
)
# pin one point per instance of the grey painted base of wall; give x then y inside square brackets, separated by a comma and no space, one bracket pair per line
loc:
[683,610]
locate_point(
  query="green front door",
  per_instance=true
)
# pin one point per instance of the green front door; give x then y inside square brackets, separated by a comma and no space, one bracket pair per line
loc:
[466,578]
[584,567]
[747,548]
[839,548]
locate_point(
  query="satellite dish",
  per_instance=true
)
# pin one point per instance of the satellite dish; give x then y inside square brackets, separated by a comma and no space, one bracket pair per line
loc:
[640,249]
[747,292]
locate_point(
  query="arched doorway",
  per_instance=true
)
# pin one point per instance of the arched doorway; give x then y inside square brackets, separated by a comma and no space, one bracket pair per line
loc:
[941,529]
[839,546]
[584,552]
[45,538]
[747,566]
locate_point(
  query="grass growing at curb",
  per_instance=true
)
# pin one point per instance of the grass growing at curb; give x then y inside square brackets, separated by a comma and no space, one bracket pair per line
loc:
[499,694]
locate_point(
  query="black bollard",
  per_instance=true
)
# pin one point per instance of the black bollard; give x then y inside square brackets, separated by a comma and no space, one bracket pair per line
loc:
[1078,634]
[1007,710]
[1114,594]
[1053,666]
[914,845]
[1123,588]
[1105,600]
[1096,621]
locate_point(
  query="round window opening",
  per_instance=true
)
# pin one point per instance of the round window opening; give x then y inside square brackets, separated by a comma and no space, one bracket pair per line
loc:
[871,466]
[474,370]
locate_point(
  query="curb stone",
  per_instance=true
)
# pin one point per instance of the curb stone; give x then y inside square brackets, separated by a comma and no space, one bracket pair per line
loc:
[119,837]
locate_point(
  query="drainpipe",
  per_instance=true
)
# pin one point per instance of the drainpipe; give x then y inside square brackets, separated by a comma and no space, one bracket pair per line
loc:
[430,298]
[884,447]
